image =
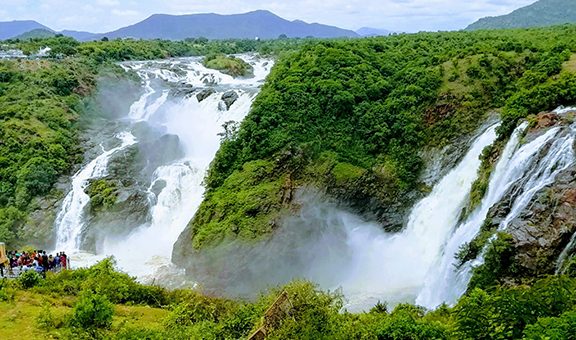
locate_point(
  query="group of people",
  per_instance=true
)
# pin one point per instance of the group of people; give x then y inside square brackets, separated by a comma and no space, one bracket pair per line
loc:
[36,260]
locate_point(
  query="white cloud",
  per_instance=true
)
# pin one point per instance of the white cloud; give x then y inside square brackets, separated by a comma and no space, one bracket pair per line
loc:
[398,15]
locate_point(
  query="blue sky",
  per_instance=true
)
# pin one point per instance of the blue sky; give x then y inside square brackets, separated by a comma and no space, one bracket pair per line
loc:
[397,15]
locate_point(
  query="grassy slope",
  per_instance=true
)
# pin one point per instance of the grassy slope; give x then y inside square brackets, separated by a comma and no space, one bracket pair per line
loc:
[19,316]
[545,309]
[538,14]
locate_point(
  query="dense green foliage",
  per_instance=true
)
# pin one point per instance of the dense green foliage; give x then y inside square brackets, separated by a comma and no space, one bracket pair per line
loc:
[544,310]
[230,65]
[103,194]
[129,49]
[370,105]
[540,13]
[42,101]
[92,311]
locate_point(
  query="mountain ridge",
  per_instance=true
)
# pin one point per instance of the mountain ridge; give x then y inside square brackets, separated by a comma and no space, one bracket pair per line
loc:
[261,24]
[538,14]
[11,29]
[256,24]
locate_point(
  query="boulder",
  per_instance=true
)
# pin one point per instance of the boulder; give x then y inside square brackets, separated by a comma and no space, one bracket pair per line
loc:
[229,98]
[204,94]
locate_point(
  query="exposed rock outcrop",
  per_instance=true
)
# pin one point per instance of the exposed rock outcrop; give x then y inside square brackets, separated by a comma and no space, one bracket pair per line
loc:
[228,98]
[205,94]
[544,228]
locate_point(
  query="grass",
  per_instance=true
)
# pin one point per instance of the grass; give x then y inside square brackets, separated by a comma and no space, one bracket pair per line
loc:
[570,65]
[19,316]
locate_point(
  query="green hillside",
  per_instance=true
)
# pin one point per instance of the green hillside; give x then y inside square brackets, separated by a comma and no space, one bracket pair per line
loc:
[38,33]
[539,14]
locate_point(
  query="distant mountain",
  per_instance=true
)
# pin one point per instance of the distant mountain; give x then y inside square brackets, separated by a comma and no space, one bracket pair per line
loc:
[36,33]
[257,24]
[11,29]
[540,13]
[79,35]
[372,32]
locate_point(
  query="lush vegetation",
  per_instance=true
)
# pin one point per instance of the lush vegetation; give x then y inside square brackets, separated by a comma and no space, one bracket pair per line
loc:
[230,65]
[42,102]
[100,302]
[350,116]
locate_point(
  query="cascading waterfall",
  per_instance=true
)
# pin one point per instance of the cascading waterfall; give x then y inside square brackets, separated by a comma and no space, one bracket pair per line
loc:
[518,164]
[69,222]
[394,266]
[564,255]
[197,126]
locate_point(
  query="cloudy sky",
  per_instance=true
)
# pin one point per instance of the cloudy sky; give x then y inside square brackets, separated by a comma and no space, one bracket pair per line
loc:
[397,15]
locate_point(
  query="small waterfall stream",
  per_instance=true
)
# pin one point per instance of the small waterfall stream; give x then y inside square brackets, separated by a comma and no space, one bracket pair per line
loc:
[69,221]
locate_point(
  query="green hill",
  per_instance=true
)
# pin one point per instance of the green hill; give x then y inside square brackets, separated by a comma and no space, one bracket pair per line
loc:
[539,14]
[39,33]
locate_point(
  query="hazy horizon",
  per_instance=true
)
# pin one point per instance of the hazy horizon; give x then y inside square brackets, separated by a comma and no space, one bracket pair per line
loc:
[99,16]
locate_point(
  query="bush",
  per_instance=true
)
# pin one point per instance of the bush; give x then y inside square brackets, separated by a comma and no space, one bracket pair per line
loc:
[46,319]
[559,328]
[92,311]
[29,279]
[6,293]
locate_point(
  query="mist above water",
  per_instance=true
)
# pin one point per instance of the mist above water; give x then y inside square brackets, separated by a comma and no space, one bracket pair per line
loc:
[337,249]
[158,119]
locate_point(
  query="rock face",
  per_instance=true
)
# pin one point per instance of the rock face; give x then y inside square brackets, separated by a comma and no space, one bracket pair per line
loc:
[38,230]
[544,228]
[131,206]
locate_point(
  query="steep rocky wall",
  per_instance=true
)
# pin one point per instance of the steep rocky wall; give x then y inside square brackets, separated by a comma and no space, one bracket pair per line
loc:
[544,228]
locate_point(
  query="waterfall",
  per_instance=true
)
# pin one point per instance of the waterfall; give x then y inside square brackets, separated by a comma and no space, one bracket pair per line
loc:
[518,164]
[69,222]
[175,187]
[393,267]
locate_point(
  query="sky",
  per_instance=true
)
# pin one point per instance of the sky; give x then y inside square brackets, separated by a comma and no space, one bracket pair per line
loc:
[99,16]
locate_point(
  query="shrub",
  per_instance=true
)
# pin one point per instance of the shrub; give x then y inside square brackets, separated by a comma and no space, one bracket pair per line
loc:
[92,311]
[553,328]
[29,279]
[45,319]
[6,293]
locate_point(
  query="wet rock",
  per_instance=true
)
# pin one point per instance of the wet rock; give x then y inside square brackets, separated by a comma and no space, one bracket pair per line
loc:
[130,211]
[204,94]
[546,119]
[184,90]
[38,231]
[544,228]
[229,98]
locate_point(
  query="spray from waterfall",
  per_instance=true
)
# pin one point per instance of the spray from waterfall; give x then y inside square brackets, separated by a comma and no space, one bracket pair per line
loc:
[337,249]
[520,168]
[175,187]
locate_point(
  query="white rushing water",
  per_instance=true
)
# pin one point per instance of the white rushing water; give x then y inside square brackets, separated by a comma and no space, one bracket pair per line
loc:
[518,164]
[70,219]
[393,267]
[197,126]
